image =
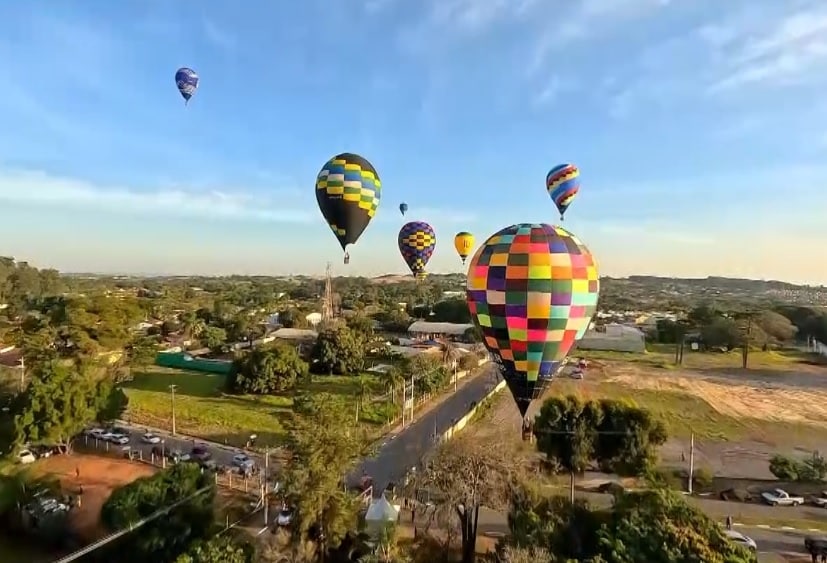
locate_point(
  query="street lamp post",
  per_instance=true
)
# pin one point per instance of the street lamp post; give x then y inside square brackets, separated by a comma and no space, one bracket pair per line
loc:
[172,393]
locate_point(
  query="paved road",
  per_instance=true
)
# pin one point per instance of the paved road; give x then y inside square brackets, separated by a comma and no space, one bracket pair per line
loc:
[397,453]
[221,454]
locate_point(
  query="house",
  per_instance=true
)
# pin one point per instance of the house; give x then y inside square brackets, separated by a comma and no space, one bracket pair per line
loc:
[296,335]
[429,330]
[616,337]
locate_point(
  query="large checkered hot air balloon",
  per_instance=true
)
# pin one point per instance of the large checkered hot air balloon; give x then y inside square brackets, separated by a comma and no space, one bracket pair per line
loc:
[562,184]
[417,241]
[348,191]
[532,290]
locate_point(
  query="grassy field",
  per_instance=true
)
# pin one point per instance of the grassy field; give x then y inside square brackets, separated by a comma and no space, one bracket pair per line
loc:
[663,356]
[684,413]
[203,410]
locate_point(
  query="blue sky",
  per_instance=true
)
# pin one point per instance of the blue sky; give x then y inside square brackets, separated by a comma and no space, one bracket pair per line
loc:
[700,127]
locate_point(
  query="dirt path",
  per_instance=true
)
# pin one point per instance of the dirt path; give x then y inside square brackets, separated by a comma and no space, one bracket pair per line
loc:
[98,476]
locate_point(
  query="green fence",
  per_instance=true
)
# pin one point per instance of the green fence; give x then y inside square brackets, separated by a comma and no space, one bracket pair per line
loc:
[182,360]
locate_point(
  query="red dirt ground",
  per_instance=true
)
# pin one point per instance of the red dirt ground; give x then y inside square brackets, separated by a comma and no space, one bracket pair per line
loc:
[99,476]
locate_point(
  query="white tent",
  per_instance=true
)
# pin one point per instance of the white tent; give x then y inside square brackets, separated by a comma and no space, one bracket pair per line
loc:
[380,513]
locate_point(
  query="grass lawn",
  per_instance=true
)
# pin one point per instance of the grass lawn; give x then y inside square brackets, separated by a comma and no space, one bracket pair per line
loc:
[684,413]
[663,356]
[203,410]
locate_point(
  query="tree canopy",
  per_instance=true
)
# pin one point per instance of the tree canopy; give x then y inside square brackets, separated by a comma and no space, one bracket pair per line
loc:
[656,526]
[339,351]
[267,370]
[165,538]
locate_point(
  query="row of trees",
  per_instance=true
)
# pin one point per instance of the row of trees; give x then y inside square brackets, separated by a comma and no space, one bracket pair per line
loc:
[764,328]
[652,526]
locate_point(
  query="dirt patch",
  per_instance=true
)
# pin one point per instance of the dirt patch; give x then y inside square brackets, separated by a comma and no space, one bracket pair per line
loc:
[758,400]
[98,476]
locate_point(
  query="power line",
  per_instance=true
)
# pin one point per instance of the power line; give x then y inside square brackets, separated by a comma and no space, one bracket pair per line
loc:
[132,527]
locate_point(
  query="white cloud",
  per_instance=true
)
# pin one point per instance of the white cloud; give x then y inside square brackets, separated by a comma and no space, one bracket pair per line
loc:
[218,36]
[39,189]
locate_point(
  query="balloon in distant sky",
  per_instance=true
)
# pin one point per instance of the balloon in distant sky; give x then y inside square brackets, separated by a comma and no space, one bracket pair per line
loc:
[417,241]
[532,290]
[403,207]
[348,191]
[186,80]
[563,183]
[464,243]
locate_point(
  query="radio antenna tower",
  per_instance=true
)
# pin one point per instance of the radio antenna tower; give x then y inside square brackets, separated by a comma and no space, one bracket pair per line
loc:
[327,301]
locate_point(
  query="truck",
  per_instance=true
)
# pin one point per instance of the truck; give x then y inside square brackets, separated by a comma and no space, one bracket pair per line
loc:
[780,497]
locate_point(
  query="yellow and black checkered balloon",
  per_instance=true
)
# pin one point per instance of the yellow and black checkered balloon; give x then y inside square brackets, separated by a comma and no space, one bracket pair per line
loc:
[417,241]
[348,191]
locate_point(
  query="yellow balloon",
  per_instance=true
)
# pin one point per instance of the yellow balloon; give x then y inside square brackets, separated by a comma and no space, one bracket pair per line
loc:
[464,243]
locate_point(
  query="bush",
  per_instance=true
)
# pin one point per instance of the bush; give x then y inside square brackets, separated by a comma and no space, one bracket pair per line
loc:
[812,470]
[468,362]
[702,478]
[664,478]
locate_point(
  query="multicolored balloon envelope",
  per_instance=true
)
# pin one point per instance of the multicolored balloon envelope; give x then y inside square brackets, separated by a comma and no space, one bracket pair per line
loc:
[532,290]
[417,241]
[186,80]
[563,183]
[464,243]
[348,191]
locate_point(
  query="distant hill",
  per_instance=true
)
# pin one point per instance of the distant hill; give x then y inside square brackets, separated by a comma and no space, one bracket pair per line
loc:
[740,284]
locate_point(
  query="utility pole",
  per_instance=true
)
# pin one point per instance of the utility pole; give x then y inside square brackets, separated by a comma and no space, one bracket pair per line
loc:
[413,400]
[22,374]
[404,394]
[691,461]
[172,394]
[266,488]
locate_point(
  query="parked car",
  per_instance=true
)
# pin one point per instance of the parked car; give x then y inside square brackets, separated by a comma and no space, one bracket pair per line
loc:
[741,539]
[242,461]
[284,517]
[201,453]
[820,500]
[780,497]
[120,439]
[735,495]
[150,438]
[94,432]
[25,456]
[176,456]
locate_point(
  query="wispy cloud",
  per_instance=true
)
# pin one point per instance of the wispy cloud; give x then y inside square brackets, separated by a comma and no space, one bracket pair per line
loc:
[788,49]
[582,19]
[39,189]
[218,36]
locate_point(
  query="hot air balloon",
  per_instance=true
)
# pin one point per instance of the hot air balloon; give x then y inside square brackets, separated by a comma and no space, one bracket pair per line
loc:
[464,242]
[403,207]
[348,191]
[563,183]
[417,241]
[186,80]
[532,290]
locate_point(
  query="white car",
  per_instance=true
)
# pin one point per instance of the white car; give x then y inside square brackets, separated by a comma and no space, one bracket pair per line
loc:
[119,439]
[25,456]
[150,438]
[741,539]
[242,461]
[285,517]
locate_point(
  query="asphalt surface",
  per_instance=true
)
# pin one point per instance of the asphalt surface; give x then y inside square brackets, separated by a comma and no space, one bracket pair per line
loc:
[222,455]
[399,452]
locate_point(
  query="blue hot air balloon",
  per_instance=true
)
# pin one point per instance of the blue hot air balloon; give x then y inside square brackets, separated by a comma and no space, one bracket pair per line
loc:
[186,80]
[403,207]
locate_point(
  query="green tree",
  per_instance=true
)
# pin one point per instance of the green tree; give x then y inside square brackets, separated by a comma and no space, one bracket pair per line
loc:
[219,549]
[452,311]
[616,436]
[338,351]
[140,354]
[165,538]
[267,370]
[776,326]
[324,443]
[721,332]
[361,326]
[214,338]
[58,403]
[656,526]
